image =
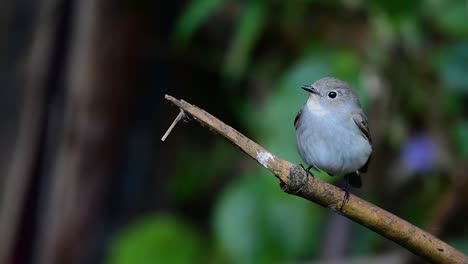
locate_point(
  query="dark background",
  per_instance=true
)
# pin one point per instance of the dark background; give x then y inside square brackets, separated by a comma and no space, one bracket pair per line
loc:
[86,179]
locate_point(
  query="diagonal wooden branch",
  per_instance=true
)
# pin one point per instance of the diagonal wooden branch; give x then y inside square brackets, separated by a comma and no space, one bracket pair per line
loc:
[294,180]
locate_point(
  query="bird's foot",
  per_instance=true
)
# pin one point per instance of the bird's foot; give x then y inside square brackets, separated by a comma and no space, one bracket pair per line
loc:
[304,179]
[308,169]
[186,118]
[346,196]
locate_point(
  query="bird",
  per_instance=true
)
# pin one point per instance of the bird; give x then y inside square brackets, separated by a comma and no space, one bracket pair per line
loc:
[332,132]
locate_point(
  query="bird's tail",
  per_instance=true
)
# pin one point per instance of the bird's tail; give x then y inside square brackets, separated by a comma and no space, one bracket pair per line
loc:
[354,179]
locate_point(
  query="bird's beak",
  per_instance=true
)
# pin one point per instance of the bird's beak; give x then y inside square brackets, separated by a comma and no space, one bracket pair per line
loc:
[310,88]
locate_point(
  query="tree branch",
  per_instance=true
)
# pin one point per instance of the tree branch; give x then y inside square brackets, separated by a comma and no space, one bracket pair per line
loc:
[295,180]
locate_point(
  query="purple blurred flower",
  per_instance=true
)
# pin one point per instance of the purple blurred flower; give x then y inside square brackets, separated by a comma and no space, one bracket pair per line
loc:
[419,154]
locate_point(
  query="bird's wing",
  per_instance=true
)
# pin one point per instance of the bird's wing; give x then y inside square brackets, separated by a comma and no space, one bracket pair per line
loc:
[361,122]
[298,117]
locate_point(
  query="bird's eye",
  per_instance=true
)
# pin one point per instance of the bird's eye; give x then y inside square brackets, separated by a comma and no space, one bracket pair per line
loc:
[332,95]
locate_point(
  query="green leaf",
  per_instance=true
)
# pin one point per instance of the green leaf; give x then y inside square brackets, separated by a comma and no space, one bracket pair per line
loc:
[193,17]
[451,103]
[255,222]
[461,139]
[249,28]
[397,8]
[452,64]
[449,16]
[157,239]
[345,64]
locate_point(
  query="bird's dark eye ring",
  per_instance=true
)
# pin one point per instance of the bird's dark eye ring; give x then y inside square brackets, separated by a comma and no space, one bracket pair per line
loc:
[332,95]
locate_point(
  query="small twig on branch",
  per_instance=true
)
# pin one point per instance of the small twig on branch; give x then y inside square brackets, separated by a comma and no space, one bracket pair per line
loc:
[176,120]
[295,180]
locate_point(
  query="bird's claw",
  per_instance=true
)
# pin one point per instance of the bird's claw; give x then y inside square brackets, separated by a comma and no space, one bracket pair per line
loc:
[346,196]
[186,118]
[307,170]
[304,179]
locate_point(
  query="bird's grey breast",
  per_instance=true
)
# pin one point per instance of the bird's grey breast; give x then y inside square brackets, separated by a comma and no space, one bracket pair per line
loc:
[331,142]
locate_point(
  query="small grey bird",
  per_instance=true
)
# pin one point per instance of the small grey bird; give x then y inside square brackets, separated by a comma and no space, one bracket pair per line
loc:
[332,132]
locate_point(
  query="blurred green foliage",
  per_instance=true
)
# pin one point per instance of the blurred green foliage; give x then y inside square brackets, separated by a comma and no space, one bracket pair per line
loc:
[194,177]
[448,16]
[247,32]
[461,138]
[158,239]
[255,222]
[453,66]
[194,16]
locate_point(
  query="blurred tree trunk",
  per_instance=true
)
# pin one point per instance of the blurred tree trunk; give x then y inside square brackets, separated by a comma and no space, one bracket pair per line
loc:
[101,78]
[25,163]
[83,72]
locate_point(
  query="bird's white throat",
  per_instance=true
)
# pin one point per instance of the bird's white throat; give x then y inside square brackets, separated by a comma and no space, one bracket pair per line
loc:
[315,107]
